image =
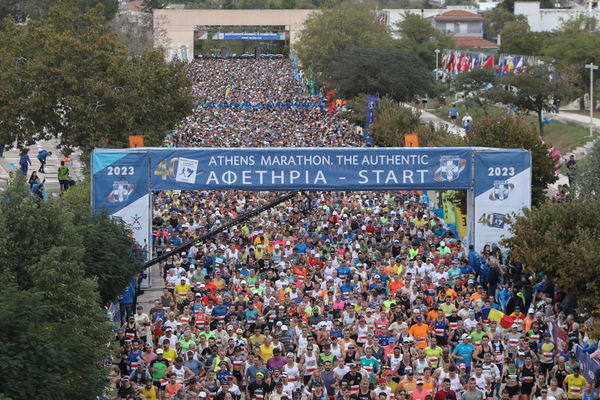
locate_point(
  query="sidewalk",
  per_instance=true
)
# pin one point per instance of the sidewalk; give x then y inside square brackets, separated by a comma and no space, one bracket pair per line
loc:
[426,117]
[10,162]
[579,119]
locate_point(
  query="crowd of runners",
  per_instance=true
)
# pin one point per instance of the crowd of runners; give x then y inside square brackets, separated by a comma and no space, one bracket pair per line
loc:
[363,296]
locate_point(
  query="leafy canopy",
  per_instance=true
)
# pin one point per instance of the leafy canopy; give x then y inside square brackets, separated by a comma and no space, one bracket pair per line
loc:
[49,282]
[398,74]
[514,132]
[68,75]
[21,10]
[418,33]
[393,121]
[534,91]
[560,240]
[586,179]
[333,31]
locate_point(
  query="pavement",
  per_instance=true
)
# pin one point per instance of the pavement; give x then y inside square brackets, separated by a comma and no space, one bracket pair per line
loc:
[10,162]
[426,117]
[579,119]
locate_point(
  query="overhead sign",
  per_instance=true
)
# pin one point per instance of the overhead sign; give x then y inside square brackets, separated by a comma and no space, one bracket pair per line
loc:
[310,168]
[251,36]
[501,179]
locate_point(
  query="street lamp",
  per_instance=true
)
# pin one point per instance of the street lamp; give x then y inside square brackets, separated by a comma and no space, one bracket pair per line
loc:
[591,67]
[437,52]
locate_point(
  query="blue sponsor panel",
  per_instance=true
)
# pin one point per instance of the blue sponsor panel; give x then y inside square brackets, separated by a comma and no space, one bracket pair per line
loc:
[311,169]
[119,179]
[502,189]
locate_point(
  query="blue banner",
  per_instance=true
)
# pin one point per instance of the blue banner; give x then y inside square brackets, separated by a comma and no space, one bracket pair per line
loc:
[311,168]
[120,186]
[252,36]
[370,118]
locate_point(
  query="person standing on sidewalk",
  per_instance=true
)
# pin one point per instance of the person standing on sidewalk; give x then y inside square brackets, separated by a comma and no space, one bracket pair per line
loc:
[24,162]
[42,156]
[63,176]
[453,114]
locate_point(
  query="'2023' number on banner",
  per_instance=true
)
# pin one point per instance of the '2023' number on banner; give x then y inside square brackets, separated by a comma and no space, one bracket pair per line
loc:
[501,171]
[125,170]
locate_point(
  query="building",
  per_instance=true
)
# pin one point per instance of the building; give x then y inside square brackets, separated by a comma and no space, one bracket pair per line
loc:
[464,23]
[549,19]
[174,29]
[466,28]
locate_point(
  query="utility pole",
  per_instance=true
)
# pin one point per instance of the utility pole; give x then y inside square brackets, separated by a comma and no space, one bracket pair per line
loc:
[591,67]
[437,52]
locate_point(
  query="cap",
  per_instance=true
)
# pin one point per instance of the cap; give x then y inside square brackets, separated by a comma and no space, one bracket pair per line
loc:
[284,328]
[259,373]
[462,365]
[419,381]
[202,395]
[160,351]
[464,336]
[514,326]
[239,330]
[382,380]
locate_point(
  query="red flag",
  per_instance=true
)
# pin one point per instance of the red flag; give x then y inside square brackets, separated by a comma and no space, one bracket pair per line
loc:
[489,62]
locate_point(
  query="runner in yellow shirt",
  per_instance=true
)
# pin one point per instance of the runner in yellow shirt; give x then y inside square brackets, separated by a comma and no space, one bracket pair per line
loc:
[574,384]
[181,290]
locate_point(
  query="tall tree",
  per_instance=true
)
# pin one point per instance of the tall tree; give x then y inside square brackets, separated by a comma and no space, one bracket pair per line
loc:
[477,81]
[394,120]
[391,72]
[419,34]
[575,45]
[495,20]
[534,90]
[586,179]
[68,75]
[515,132]
[560,241]
[22,10]
[58,347]
[517,38]
[334,31]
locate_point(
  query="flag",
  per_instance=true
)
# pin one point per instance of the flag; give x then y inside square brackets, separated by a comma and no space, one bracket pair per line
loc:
[520,63]
[489,62]
[504,320]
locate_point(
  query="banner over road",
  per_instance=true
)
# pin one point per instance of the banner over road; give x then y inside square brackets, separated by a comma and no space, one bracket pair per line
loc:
[316,169]
[499,178]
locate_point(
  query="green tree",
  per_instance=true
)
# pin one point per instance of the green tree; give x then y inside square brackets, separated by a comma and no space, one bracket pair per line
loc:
[561,242]
[393,121]
[396,73]
[517,38]
[21,10]
[68,75]
[476,81]
[57,349]
[575,45]
[515,132]
[419,34]
[532,91]
[585,180]
[495,20]
[334,31]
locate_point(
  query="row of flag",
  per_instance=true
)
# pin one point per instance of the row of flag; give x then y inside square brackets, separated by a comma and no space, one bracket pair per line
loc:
[456,61]
[516,64]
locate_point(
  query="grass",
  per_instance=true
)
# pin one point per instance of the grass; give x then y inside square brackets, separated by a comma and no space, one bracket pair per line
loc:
[564,136]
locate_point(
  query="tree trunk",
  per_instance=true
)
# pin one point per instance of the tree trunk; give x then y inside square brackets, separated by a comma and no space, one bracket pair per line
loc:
[539,113]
